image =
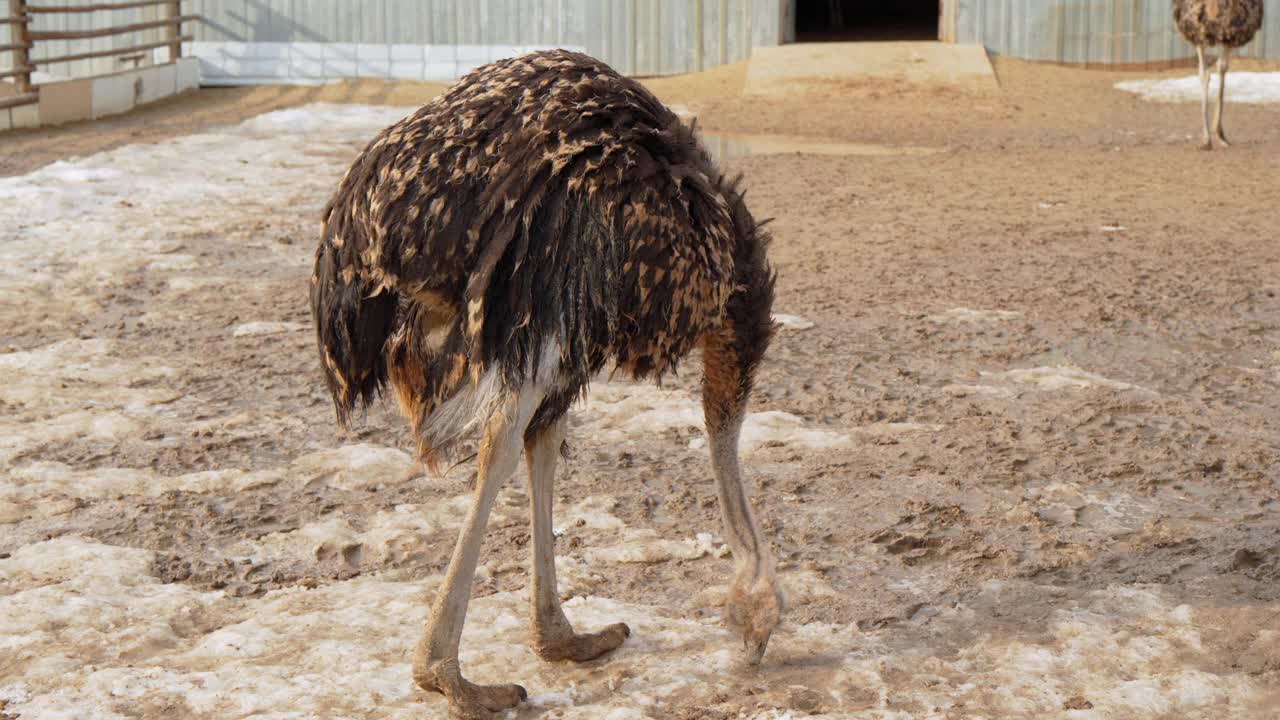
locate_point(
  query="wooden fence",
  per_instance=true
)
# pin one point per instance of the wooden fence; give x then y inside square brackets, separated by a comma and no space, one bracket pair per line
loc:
[24,43]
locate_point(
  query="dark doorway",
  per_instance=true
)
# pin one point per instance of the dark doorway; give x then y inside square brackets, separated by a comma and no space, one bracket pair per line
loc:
[855,20]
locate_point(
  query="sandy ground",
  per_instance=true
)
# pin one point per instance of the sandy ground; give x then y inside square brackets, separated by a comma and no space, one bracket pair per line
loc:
[1016,444]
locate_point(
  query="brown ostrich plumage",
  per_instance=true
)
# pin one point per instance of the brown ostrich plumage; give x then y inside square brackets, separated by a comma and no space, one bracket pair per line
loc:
[1226,24]
[490,253]
[542,197]
[1209,23]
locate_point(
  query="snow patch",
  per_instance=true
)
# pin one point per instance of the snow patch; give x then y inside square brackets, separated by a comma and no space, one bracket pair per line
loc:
[322,118]
[353,467]
[87,629]
[777,428]
[73,226]
[30,489]
[621,411]
[76,372]
[647,547]
[1255,88]
[893,429]
[591,512]
[969,315]
[267,327]
[391,537]
[792,322]
[1063,377]
[76,389]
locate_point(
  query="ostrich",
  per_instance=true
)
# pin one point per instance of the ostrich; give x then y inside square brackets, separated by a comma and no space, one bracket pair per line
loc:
[1205,23]
[489,254]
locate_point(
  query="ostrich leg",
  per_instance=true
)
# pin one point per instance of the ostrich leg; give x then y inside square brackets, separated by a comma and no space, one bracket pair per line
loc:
[553,636]
[729,357]
[435,664]
[1206,143]
[1224,60]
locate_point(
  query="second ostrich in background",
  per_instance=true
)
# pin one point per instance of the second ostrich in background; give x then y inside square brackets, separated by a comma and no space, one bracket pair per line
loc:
[489,254]
[1225,23]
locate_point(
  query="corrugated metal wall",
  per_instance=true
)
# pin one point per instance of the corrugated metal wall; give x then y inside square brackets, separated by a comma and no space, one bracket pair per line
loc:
[339,38]
[301,40]
[1087,32]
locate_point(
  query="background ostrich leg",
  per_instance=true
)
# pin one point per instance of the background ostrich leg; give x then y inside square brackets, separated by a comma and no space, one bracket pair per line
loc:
[435,664]
[553,636]
[1206,143]
[1224,60]
[755,601]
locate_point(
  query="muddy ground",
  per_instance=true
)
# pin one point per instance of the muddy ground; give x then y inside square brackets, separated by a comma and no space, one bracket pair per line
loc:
[1016,449]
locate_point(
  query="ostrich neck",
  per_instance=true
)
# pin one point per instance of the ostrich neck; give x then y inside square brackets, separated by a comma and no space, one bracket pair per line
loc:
[741,531]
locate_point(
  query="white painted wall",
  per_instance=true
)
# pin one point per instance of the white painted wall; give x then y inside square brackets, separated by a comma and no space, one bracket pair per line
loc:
[245,63]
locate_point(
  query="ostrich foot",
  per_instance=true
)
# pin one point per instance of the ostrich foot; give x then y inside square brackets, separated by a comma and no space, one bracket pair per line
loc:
[1222,140]
[1206,144]
[755,608]
[467,701]
[569,645]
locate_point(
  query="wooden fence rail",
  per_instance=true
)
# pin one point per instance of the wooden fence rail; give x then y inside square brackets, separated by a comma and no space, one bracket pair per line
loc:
[23,39]
[69,9]
[109,53]
[21,99]
[39,35]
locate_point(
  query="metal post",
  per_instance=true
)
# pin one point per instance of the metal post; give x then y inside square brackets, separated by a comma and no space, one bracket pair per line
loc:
[724,32]
[21,53]
[173,33]
[697,31]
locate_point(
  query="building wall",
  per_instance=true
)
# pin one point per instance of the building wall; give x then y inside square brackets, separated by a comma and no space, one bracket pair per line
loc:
[281,41]
[63,101]
[1087,32]
[252,41]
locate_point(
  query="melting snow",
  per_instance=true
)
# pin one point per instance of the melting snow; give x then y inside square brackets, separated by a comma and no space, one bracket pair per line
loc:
[645,546]
[75,388]
[968,315]
[591,512]
[28,488]
[890,429]
[326,119]
[353,467]
[390,537]
[1063,377]
[792,322]
[268,327]
[88,631]
[73,225]
[71,373]
[1242,87]
[621,411]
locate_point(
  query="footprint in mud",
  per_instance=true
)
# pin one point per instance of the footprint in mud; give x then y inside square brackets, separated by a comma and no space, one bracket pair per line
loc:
[242,577]
[934,532]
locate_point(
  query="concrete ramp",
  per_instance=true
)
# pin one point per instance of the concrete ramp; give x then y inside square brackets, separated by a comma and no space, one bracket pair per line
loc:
[786,68]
